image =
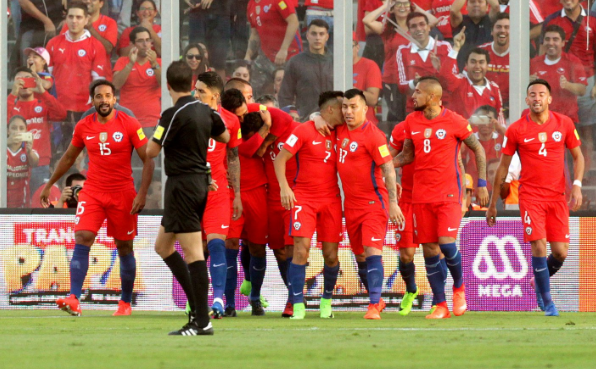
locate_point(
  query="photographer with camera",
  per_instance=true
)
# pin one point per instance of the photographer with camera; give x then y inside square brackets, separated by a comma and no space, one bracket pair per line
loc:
[20,159]
[70,194]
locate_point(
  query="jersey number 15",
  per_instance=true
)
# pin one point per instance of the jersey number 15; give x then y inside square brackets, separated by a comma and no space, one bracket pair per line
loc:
[104,149]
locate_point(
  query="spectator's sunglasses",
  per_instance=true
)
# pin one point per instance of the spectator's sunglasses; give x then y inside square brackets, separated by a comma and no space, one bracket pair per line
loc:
[194,56]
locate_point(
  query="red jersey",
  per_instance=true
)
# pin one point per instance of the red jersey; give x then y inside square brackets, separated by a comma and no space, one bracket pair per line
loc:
[398,136]
[361,152]
[492,149]
[441,10]
[108,29]
[367,74]
[364,6]
[141,92]
[280,120]
[316,162]
[17,178]
[217,152]
[568,65]
[498,69]
[327,4]
[291,168]
[109,147]
[391,43]
[541,150]
[38,113]
[125,36]
[411,61]
[583,45]
[268,17]
[465,97]
[75,64]
[437,177]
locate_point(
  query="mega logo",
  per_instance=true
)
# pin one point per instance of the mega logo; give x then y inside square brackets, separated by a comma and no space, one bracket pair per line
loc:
[497,267]
[37,267]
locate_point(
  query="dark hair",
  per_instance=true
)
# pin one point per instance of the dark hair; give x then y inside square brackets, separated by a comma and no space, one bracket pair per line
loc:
[179,76]
[557,29]
[22,69]
[415,15]
[133,34]
[479,51]
[328,96]
[74,177]
[252,123]
[353,92]
[241,63]
[232,99]
[77,5]
[212,80]
[432,79]
[501,16]
[489,109]
[15,117]
[141,3]
[318,23]
[235,83]
[263,99]
[204,64]
[538,82]
[101,82]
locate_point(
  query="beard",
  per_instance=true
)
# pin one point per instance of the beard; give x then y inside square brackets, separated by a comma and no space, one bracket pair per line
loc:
[104,114]
[420,108]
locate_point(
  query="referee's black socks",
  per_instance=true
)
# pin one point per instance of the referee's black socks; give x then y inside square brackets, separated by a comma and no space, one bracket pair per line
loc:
[200,287]
[180,271]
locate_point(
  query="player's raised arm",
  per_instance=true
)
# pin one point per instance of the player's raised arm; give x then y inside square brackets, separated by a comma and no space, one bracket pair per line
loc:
[480,156]
[500,176]
[395,214]
[406,156]
[578,169]
[66,161]
[287,195]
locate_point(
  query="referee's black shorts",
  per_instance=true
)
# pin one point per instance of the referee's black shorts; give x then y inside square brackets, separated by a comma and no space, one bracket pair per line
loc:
[185,197]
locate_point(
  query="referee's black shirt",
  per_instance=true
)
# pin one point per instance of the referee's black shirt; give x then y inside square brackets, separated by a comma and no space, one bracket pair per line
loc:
[184,131]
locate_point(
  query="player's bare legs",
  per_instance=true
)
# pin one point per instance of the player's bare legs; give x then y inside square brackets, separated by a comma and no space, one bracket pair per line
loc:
[544,268]
[128,272]
[436,278]
[216,244]
[374,275]
[79,265]
[407,270]
[258,266]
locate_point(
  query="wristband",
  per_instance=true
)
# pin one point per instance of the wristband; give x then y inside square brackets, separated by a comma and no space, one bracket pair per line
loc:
[578,183]
[481,182]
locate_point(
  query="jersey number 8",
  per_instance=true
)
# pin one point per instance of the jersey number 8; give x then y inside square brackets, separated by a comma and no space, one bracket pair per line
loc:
[427,145]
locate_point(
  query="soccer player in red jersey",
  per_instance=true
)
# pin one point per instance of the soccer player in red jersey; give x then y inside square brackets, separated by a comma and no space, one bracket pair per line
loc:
[317,163]
[540,139]
[369,201]
[109,137]
[432,140]
[146,13]
[21,157]
[498,50]
[224,161]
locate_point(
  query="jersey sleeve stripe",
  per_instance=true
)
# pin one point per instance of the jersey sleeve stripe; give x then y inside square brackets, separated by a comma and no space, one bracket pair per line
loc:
[375,186]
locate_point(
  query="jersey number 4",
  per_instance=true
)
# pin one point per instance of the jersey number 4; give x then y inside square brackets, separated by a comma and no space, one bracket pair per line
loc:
[104,149]
[542,150]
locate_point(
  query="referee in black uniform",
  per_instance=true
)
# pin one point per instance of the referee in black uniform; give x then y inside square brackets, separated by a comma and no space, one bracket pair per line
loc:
[184,131]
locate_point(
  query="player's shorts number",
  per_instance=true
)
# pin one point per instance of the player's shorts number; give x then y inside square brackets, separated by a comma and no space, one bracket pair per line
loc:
[542,150]
[427,145]
[298,209]
[104,149]
[212,145]
[527,219]
[342,155]
[81,207]
[401,226]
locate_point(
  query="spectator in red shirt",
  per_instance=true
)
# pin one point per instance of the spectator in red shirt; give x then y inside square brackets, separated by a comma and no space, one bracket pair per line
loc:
[196,58]
[146,12]
[274,38]
[38,60]
[367,77]
[38,108]
[498,50]
[102,27]
[21,158]
[138,77]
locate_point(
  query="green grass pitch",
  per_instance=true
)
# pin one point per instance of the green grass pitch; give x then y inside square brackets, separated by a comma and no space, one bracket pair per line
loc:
[51,339]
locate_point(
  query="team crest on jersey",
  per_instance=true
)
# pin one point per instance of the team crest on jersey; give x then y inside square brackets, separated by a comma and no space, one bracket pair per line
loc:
[38,109]
[561,70]
[102,27]
[428,132]
[542,137]
[280,146]
[266,8]
[353,146]
[529,230]
[82,53]
[117,136]
[150,72]
[345,142]
[297,225]
[498,147]
[103,136]
[23,157]
[328,145]
[557,136]
[441,133]
[258,9]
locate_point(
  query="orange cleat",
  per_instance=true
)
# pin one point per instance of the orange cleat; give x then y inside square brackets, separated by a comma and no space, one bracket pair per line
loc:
[382,305]
[123,309]
[441,312]
[374,311]
[459,301]
[288,311]
[70,304]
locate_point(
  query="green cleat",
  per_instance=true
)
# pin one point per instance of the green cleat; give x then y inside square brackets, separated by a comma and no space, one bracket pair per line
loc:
[325,306]
[406,303]
[264,302]
[299,311]
[245,287]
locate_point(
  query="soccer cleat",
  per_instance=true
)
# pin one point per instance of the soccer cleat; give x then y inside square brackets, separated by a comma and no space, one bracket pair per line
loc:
[124,308]
[264,302]
[245,287]
[217,310]
[374,311]
[257,308]
[441,312]
[299,311]
[432,309]
[459,301]
[192,329]
[539,300]
[406,302]
[230,312]
[551,310]
[70,304]
[382,305]
[288,311]
[325,306]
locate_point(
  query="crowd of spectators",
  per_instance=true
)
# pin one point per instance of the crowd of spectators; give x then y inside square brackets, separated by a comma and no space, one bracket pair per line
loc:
[284,49]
